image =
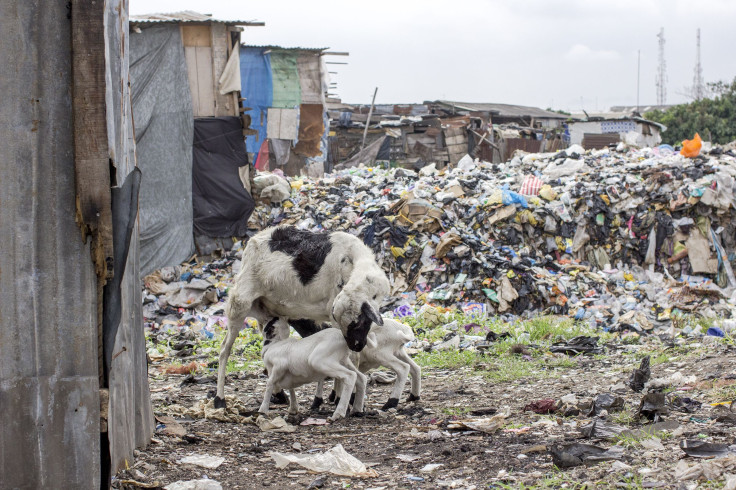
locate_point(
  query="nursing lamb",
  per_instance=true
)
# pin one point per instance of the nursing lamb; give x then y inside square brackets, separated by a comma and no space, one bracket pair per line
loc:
[307,278]
[293,362]
[386,349]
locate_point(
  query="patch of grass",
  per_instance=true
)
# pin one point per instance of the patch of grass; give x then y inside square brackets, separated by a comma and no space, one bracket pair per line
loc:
[624,417]
[456,411]
[551,327]
[560,362]
[556,480]
[511,368]
[447,359]
[725,394]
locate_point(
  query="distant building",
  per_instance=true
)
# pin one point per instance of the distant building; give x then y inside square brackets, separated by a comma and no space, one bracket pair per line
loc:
[598,130]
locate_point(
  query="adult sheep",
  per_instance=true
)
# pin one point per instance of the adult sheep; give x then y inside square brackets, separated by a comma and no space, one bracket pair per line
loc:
[308,277]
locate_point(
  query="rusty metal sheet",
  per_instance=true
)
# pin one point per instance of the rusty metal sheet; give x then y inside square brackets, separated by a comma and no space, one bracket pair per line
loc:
[130,415]
[48,314]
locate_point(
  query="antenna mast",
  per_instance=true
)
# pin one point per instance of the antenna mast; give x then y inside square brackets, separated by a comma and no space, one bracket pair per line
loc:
[661,79]
[698,88]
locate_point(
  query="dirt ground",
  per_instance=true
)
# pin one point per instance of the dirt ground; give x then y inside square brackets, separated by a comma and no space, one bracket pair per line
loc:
[399,444]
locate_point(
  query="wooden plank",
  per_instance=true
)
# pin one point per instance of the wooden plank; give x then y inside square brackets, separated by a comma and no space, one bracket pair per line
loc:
[190,54]
[196,35]
[91,156]
[205,82]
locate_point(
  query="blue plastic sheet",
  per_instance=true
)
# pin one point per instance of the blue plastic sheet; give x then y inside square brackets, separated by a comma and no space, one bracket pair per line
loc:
[257,89]
[511,197]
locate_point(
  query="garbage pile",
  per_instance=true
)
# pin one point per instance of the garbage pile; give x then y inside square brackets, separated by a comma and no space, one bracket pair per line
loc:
[620,238]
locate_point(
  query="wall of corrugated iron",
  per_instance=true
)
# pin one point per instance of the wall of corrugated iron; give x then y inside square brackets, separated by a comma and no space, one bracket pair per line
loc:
[130,419]
[49,398]
[49,383]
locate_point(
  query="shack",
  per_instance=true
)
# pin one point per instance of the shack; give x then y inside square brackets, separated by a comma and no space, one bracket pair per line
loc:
[598,130]
[284,90]
[186,80]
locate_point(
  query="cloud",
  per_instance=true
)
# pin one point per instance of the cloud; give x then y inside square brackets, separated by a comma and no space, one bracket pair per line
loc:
[581,52]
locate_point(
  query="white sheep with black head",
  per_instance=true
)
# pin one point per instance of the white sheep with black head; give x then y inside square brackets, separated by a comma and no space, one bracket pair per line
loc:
[307,278]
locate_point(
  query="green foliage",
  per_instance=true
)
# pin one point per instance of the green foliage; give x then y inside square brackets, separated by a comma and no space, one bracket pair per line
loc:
[714,118]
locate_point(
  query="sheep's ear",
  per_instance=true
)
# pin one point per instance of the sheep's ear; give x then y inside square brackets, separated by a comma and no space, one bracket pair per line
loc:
[372,314]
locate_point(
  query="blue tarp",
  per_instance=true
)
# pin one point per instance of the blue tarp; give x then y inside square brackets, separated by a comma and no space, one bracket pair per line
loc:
[257,89]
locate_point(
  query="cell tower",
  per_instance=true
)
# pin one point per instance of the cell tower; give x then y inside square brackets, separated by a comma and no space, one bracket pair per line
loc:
[698,87]
[661,71]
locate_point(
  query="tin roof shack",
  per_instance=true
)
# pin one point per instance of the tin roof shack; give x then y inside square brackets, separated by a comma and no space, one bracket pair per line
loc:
[408,134]
[185,77]
[514,127]
[73,380]
[601,130]
[284,90]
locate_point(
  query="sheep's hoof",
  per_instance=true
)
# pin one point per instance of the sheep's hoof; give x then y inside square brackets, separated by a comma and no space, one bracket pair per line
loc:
[280,398]
[220,402]
[335,418]
[357,414]
[316,403]
[412,398]
[391,403]
[333,397]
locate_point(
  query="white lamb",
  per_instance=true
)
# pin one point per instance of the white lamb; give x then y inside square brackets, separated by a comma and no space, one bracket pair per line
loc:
[385,349]
[307,278]
[293,362]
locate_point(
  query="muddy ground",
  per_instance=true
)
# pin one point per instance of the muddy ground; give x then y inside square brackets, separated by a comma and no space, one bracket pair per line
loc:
[399,444]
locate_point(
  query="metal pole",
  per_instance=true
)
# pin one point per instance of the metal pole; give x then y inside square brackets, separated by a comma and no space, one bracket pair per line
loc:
[638,71]
[368,122]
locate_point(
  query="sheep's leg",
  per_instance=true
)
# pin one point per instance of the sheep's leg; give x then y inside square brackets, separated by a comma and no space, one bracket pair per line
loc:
[232,333]
[416,375]
[334,397]
[293,403]
[402,373]
[318,396]
[360,383]
[267,395]
[347,378]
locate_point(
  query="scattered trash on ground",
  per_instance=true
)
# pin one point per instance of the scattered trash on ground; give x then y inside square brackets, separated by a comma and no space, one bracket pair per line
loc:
[336,461]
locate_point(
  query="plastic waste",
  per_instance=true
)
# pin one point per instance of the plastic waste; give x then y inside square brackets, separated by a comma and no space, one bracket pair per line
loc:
[691,148]
[203,484]
[336,461]
[640,376]
[203,460]
[578,454]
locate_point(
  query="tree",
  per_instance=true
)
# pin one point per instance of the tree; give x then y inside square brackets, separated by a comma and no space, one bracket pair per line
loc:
[714,118]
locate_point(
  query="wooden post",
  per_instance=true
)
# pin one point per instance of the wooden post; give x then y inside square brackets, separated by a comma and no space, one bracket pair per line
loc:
[368,122]
[91,155]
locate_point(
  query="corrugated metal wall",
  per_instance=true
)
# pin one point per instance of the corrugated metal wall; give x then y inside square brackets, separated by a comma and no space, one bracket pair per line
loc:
[130,418]
[49,383]
[49,399]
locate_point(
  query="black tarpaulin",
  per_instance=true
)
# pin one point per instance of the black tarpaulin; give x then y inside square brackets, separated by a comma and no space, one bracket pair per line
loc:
[220,203]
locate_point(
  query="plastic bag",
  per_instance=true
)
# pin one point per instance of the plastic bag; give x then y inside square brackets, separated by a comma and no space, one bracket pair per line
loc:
[691,148]
[336,461]
[511,197]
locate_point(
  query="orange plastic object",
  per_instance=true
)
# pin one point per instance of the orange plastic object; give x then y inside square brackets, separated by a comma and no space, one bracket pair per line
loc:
[691,148]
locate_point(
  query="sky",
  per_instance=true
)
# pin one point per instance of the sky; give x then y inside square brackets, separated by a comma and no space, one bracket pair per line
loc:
[568,55]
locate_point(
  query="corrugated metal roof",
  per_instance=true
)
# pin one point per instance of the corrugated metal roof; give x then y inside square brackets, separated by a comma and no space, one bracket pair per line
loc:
[507,110]
[184,16]
[284,48]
